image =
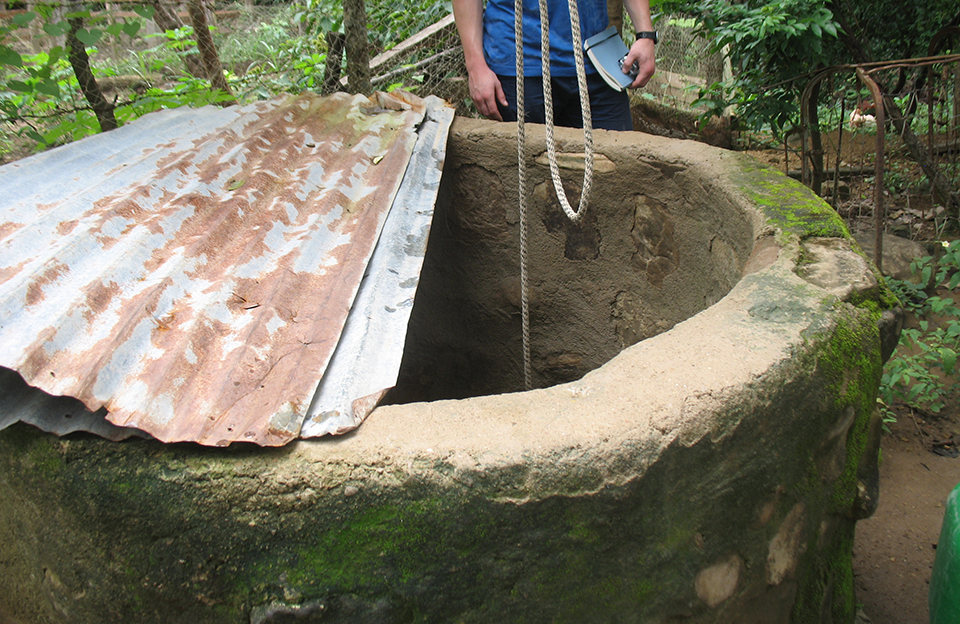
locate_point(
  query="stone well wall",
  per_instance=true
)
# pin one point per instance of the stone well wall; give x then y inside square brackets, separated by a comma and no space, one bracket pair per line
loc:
[711,472]
[656,246]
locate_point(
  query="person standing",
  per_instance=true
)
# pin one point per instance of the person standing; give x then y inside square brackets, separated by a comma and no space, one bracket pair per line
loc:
[489,49]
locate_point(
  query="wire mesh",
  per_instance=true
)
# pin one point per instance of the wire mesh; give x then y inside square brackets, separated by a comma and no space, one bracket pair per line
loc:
[685,64]
[268,48]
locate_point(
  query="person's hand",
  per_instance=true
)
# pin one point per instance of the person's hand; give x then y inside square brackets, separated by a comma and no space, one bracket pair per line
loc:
[486,92]
[643,53]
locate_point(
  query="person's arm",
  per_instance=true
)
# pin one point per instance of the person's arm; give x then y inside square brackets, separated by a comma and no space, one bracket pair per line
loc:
[643,51]
[485,88]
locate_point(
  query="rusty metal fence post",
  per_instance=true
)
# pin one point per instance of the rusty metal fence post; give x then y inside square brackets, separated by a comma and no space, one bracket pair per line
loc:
[901,111]
[879,214]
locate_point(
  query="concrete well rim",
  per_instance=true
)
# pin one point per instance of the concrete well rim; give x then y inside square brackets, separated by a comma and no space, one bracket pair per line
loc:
[539,426]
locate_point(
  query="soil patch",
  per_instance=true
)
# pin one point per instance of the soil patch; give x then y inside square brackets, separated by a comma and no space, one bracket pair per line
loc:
[894,549]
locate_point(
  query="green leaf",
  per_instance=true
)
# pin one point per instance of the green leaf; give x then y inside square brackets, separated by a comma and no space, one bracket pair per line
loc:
[114,29]
[36,136]
[131,28]
[56,29]
[49,87]
[949,360]
[144,11]
[9,56]
[89,37]
[24,18]
[18,86]
[55,54]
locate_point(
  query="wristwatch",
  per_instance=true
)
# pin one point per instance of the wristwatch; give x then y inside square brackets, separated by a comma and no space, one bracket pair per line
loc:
[648,34]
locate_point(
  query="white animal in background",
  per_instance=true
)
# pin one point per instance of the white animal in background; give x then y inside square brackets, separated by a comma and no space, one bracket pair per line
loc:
[862,117]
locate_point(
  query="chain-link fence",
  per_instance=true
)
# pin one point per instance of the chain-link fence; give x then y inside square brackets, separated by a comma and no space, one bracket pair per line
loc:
[150,54]
[430,60]
[685,64]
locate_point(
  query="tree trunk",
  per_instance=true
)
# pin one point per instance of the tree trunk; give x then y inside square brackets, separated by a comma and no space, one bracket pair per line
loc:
[954,125]
[334,63]
[358,50]
[88,84]
[615,13]
[208,53]
[166,18]
[33,30]
[816,145]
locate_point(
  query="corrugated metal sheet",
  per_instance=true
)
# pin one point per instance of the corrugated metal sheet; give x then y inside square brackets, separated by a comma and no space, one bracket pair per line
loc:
[57,414]
[191,272]
[367,359]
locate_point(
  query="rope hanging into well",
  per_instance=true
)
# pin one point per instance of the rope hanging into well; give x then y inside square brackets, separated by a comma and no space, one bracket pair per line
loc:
[573,215]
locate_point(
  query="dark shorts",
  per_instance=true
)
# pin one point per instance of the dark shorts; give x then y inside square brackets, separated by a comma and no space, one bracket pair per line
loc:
[609,109]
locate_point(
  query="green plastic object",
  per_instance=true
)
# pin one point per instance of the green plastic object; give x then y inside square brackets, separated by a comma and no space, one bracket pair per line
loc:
[945,580]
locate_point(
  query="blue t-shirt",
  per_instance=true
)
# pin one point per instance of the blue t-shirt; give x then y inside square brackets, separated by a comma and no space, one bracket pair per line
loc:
[499,45]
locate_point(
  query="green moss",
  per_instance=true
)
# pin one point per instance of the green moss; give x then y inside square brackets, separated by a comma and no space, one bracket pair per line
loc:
[848,359]
[44,456]
[387,542]
[578,598]
[787,204]
[841,572]
[852,355]
[830,579]
[580,524]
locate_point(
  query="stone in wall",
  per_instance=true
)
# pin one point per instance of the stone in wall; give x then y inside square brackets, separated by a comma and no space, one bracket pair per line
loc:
[657,254]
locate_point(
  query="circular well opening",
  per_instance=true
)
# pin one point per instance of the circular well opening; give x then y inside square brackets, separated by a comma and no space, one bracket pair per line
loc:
[659,243]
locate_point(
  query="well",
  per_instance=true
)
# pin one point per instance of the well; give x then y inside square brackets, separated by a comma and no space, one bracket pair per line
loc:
[711,472]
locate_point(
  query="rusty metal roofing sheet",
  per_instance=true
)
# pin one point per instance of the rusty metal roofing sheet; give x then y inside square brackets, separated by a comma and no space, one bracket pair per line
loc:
[57,414]
[367,359]
[191,272]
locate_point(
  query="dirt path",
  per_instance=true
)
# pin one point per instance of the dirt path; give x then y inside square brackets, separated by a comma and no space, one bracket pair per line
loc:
[894,550]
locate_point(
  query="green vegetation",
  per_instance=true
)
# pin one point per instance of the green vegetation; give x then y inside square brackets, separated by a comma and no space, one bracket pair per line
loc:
[771,44]
[138,61]
[775,46]
[921,372]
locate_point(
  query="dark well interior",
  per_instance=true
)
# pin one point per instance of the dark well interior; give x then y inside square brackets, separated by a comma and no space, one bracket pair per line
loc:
[656,246]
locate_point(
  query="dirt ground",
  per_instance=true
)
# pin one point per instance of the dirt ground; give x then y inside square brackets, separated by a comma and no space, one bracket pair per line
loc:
[894,549]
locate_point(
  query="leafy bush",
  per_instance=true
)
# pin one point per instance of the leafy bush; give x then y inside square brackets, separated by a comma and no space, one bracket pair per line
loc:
[920,374]
[277,49]
[770,43]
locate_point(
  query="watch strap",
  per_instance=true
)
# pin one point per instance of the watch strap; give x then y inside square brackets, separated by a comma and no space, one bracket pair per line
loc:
[648,34]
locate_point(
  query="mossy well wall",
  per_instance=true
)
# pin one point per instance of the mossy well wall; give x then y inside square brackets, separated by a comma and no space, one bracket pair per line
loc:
[703,465]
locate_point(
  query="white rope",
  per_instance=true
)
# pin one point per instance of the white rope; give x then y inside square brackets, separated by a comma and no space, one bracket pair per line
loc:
[573,215]
[522,185]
